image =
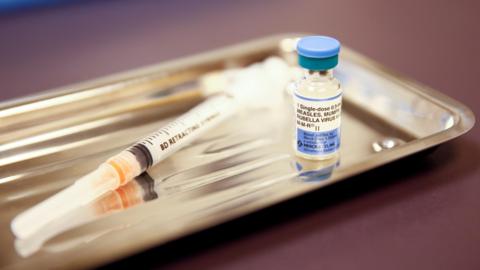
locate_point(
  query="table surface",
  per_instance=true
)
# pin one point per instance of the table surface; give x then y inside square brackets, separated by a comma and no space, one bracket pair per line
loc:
[421,213]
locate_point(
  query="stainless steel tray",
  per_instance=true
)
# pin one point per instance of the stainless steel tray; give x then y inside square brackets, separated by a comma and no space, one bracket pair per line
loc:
[49,140]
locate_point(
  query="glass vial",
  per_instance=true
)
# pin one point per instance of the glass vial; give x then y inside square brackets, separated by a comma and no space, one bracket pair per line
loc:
[317,99]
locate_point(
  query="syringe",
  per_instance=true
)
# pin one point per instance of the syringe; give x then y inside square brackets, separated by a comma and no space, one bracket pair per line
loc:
[249,87]
[128,164]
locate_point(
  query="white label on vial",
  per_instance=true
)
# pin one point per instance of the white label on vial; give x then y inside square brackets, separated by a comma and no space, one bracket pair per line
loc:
[317,124]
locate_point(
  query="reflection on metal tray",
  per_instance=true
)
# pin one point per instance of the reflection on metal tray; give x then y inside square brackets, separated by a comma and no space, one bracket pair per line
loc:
[47,141]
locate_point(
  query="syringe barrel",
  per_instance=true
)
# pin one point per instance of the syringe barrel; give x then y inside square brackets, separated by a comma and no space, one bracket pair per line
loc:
[169,139]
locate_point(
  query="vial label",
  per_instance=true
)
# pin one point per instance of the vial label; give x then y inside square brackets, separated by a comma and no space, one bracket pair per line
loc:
[317,124]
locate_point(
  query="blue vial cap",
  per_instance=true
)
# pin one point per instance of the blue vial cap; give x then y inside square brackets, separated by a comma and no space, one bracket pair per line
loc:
[318,52]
